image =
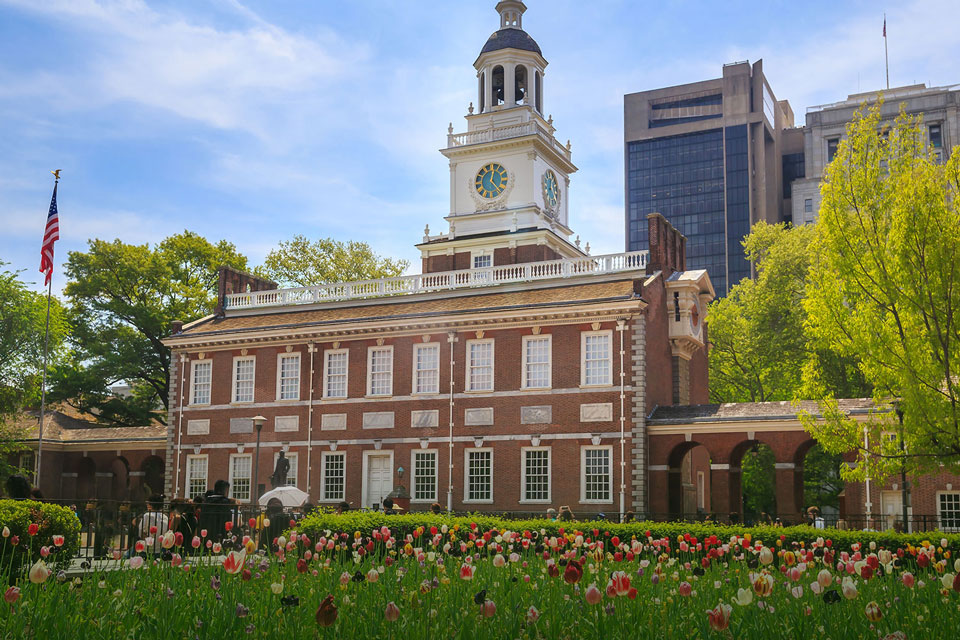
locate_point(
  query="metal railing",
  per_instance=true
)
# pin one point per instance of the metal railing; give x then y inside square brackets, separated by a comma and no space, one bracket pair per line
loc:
[442,281]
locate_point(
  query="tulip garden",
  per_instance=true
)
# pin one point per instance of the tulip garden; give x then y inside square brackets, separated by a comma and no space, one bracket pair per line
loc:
[453,578]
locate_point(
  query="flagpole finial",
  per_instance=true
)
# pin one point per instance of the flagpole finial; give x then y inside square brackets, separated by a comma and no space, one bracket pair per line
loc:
[56,174]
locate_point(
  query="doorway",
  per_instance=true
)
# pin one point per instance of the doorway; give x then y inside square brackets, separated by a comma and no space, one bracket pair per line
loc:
[377,477]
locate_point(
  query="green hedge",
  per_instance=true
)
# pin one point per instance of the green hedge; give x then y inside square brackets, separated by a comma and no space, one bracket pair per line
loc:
[51,519]
[400,525]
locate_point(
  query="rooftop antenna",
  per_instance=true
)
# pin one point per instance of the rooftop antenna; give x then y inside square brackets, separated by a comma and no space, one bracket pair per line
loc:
[886,54]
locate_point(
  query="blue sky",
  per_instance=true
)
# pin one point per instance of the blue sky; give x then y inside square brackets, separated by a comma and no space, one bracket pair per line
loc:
[254,121]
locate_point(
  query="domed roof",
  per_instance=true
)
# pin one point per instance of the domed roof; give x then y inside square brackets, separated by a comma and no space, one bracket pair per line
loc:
[511,38]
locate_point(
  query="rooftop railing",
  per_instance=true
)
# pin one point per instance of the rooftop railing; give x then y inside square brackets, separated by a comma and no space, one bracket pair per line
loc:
[510,131]
[441,281]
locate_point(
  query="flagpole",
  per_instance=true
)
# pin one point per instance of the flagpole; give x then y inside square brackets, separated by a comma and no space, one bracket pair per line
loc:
[43,388]
[46,349]
[886,54]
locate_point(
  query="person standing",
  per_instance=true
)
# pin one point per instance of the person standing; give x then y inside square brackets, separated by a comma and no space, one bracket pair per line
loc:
[153,524]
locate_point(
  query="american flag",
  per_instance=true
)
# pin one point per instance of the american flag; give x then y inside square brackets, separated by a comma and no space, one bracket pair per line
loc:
[50,235]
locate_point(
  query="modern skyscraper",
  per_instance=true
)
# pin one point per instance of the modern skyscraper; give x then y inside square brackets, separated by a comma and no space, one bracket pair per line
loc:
[707,156]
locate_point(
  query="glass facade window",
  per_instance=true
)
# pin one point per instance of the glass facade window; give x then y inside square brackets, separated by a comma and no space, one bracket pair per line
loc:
[794,167]
[768,105]
[936,136]
[808,205]
[738,204]
[682,178]
[699,101]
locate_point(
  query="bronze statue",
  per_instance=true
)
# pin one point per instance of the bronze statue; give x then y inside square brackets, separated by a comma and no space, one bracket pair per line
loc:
[279,477]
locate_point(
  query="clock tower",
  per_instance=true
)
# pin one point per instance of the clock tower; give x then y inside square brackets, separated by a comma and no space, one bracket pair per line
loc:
[509,176]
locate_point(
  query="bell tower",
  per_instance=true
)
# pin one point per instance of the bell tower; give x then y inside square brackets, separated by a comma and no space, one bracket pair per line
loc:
[509,175]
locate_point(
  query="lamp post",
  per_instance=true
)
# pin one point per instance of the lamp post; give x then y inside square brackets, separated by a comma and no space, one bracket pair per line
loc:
[904,488]
[258,425]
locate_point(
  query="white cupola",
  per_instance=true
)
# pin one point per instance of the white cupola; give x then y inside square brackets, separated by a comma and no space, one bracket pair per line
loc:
[510,67]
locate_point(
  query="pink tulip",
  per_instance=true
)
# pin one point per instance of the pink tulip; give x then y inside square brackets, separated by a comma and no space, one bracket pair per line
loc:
[392,612]
[593,595]
[824,578]
[203,533]
[344,578]
[499,561]
[58,541]
[372,575]
[44,552]
[685,589]
[117,554]
[195,543]
[532,615]
[611,590]
[176,560]
[135,562]
[720,617]
[217,548]
[908,579]
[167,540]
[489,609]
[621,582]
[11,595]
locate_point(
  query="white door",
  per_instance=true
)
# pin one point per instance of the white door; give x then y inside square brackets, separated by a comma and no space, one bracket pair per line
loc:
[379,479]
[891,504]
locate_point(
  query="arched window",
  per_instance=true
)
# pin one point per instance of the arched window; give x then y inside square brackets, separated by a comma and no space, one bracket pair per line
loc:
[498,86]
[520,84]
[482,91]
[539,92]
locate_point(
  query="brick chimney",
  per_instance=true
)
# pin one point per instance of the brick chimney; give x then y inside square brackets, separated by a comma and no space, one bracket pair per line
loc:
[668,247]
[233,281]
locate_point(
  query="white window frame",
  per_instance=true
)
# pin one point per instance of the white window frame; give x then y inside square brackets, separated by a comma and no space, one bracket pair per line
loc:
[193,378]
[466,474]
[323,475]
[294,472]
[415,390]
[584,335]
[523,367]
[233,378]
[468,383]
[583,473]
[326,372]
[523,475]
[370,352]
[206,476]
[280,358]
[481,254]
[232,478]
[940,524]
[413,475]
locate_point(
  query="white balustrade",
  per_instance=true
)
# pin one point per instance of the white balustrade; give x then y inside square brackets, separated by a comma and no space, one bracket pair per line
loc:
[442,281]
[502,133]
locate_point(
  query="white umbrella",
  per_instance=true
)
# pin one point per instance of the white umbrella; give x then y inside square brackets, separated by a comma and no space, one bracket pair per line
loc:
[288,496]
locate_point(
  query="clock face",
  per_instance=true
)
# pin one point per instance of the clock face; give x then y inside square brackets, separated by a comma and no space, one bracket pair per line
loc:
[491,180]
[551,189]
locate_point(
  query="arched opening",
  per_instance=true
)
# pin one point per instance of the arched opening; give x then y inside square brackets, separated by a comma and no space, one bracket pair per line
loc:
[520,84]
[152,468]
[498,85]
[120,483]
[688,484]
[483,91]
[822,484]
[86,479]
[758,484]
[538,92]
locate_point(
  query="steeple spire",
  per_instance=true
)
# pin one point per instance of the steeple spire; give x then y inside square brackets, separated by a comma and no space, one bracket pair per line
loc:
[511,14]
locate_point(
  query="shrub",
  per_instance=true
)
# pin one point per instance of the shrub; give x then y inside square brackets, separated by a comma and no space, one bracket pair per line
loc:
[51,520]
[365,521]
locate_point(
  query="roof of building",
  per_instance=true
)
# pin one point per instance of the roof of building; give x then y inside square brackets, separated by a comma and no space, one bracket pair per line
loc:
[59,426]
[510,38]
[743,411]
[484,300]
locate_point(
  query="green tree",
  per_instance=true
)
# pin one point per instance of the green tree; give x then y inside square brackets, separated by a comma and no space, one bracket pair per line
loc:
[759,343]
[23,316]
[758,482]
[123,299]
[822,483]
[301,262]
[885,289]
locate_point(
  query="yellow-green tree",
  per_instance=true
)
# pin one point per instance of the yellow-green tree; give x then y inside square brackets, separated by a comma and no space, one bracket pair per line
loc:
[885,289]
[301,262]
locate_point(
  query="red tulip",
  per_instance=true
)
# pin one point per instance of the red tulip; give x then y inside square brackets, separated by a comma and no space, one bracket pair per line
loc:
[178,539]
[153,530]
[11,595]
[252,523]
[302,565]
[326,612]
[923,560]
[908,579]
[720,617]
[573,573]
[33,529]
[228,525]
[467,571]
[246,575]
[58,541]
[685,589]
[15,540]
[956,582]
[489,609]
